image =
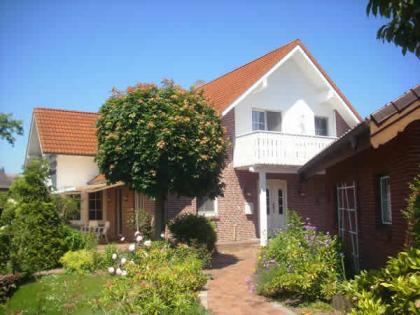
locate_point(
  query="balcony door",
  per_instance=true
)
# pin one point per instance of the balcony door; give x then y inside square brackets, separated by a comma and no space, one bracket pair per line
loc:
[276,205]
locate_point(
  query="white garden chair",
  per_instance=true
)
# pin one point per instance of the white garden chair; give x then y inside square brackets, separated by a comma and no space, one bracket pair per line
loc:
[102,232]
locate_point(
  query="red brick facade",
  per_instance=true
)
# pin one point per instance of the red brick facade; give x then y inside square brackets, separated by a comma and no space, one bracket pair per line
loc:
[400,159]
[127,211]
[341,125]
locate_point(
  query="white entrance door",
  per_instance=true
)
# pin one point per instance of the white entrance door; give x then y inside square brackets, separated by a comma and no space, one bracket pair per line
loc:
[276,205]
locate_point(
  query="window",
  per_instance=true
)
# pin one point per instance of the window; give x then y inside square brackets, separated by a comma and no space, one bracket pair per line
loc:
[321,126]
[95,206]
[385,192]
[258,120]
[76,215]
[206,205]
[280,195]
[266,120]
[273,121]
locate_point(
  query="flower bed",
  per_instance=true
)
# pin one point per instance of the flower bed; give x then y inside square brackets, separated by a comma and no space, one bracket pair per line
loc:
[299,262]
[153,278]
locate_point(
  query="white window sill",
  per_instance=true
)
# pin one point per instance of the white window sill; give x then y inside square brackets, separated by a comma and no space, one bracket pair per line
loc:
[208,214]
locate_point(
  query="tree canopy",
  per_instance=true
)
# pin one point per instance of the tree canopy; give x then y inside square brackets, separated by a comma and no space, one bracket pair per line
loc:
[9,127]
[403,28]
[161,139]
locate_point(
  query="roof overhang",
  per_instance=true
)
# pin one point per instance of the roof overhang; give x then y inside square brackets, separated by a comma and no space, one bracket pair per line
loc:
[383,132]
[89,188]
[354,141]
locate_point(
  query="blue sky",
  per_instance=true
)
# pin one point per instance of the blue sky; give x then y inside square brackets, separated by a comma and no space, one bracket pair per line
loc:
[69,54]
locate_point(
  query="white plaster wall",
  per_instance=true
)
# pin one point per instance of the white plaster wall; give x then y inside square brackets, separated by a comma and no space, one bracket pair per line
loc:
[291,92]
[74,170]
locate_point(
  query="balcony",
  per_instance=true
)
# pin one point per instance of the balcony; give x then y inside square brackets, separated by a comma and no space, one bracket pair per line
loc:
[275,148]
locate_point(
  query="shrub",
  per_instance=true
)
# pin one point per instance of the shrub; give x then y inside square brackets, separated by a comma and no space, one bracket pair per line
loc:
[80,261]
[394,289]
[75,240]
[4,250]
[194,230]
[8,284]
[141,220]
[105,259]
[36,228]
[299,262]
[159,279]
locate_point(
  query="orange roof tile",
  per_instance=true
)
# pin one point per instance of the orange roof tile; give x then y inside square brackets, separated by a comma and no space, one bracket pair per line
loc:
[66,131]
[224,90]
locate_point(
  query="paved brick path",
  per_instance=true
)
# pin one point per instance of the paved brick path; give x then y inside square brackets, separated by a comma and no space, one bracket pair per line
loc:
[229,292]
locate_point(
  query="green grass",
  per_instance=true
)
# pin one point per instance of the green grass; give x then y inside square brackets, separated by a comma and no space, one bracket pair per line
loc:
[56,294]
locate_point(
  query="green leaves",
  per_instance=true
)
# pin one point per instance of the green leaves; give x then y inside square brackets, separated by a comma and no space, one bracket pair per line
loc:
[404,26]
[394,289]
[161,139]
[9,127]
[299,262]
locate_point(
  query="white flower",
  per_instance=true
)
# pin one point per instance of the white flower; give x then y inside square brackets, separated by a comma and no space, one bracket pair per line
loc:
[3,227]
[139,238]
[124,273]
[123,260]
[12,201]
[162,235]
[122,239]
[114,256]
[111,269]
[137,233]
[148,243]
[118,272]
[132,247]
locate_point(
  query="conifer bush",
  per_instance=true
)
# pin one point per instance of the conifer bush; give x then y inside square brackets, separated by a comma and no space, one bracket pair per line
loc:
[36,228]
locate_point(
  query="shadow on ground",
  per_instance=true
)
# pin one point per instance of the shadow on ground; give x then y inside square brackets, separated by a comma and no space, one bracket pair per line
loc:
[222,260]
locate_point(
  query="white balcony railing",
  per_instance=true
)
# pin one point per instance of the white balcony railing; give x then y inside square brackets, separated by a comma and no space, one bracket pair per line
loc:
[274,148]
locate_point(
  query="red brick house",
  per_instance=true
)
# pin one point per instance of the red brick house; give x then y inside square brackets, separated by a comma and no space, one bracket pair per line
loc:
[280,110]
[367,173]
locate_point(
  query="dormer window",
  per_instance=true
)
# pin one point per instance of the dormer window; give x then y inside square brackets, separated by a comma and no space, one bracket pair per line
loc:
[321,126]
[266,120]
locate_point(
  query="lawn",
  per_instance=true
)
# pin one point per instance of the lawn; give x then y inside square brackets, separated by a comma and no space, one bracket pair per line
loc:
[57,294]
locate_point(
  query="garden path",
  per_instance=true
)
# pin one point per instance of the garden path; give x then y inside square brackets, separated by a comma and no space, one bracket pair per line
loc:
[229,290]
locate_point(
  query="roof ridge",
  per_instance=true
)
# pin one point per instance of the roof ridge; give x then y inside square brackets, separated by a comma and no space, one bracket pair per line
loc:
[295,41]
[63,110]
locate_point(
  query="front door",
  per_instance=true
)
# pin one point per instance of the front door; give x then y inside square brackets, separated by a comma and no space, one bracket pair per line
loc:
[276,205]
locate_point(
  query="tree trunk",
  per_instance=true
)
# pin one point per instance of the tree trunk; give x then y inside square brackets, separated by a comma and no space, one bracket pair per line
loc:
[159,225]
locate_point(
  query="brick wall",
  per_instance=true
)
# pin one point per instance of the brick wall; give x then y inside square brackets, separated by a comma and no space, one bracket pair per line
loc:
[307,198]
[127,211]
[400,159]
[341,125]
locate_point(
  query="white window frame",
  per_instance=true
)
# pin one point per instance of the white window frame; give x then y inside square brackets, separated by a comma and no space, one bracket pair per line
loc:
[381,178]
[209,213]
[264,111]
[327,125]
[252,119]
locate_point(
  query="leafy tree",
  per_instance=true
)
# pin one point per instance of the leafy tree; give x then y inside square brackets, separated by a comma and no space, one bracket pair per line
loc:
[8,127]
[160,140]
[35,225]
[404,26]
